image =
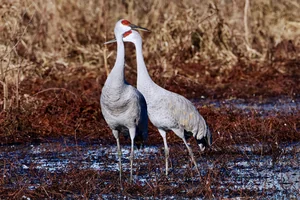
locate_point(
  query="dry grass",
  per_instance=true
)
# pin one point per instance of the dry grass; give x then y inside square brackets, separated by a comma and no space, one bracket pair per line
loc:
[53,68]
[50,40]
[58,34]
[53,64]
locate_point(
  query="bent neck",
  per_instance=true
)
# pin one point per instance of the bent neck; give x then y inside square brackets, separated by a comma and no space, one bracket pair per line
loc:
[116,77]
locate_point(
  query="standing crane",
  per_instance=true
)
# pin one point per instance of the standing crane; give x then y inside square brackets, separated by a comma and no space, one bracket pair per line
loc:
[168,110]
[123,106]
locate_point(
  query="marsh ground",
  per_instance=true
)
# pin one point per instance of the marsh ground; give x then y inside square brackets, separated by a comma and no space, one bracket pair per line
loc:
[244,81]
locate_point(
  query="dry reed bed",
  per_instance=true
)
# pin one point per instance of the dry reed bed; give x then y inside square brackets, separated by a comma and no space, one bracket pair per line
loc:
[39,39]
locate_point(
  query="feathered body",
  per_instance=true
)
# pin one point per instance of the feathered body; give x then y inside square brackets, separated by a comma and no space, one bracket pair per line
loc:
[123,106]
[168,110]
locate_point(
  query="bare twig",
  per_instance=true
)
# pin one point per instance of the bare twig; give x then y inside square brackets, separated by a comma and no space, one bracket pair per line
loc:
[5,85]
[248,46]
[105,49]
[105,61]
[45,191]
[54,89]
[246,21]
[5,95]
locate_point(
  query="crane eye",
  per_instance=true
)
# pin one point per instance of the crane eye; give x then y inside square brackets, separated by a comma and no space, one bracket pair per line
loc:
[127,33]
[125,22]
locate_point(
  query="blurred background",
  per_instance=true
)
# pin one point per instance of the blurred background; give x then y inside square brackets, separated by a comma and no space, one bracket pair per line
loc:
[40,38]
[52,54]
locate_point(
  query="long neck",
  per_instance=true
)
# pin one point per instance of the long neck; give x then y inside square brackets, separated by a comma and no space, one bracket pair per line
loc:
[116,77]
[143,77]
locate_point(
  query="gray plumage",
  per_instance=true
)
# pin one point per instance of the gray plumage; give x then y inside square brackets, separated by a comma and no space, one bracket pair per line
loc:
[168,110]
[123,106]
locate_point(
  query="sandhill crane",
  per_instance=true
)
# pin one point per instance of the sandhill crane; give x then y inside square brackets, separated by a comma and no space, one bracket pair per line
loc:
[123,106]
[168,110]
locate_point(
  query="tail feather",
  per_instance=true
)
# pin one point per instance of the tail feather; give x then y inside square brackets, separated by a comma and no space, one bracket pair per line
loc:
[139,141]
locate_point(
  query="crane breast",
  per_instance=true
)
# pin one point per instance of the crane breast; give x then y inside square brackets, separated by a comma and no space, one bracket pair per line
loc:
[122,107]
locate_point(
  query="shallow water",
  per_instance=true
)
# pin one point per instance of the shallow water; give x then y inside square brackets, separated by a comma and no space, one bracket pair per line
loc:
[265,106]
[243,169]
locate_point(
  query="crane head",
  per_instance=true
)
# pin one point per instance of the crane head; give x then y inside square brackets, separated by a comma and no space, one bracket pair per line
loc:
[206,141]
[125,23]
[122,26]
[129,36]
[132,36]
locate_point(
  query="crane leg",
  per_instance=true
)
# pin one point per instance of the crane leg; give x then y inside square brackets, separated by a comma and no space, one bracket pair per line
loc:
[191,154]
[180,133]
[132,132]
[164,136]
[116,134]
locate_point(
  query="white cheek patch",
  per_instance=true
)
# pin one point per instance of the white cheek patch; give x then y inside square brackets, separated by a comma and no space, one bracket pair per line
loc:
[202,147]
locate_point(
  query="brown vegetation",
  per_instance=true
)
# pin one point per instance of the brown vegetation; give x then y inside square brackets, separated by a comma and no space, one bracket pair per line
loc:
[53,65]
[53,57]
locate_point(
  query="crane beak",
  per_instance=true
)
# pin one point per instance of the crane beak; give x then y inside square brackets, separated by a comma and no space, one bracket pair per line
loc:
[110,41]
[135,27]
